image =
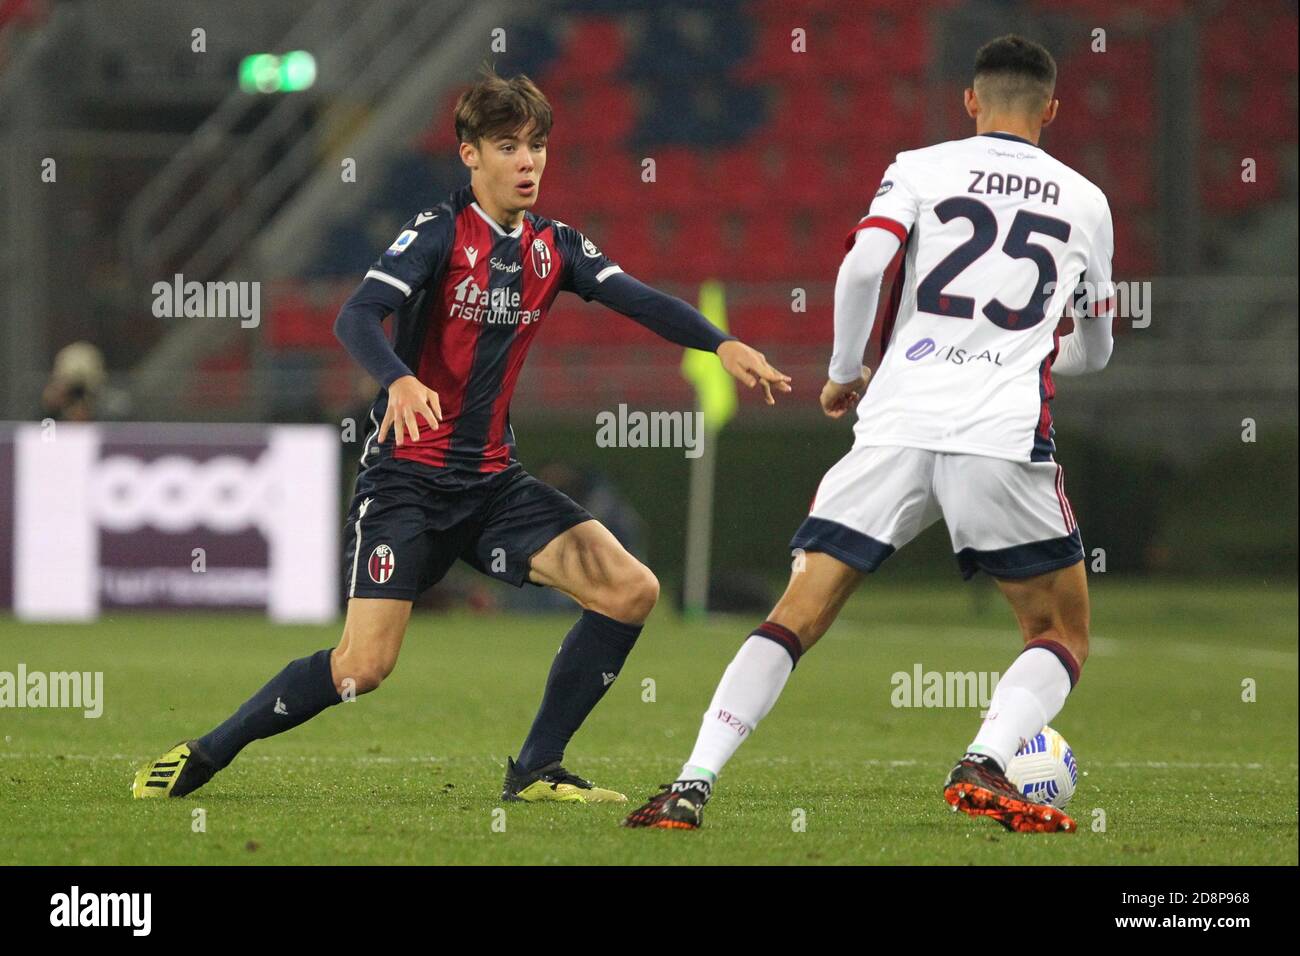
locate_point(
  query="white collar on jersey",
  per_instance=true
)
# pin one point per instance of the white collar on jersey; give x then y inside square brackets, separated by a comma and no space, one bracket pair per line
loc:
[518,230]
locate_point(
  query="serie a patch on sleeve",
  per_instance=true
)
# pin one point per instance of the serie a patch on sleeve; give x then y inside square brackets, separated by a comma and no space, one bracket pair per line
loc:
[401,243]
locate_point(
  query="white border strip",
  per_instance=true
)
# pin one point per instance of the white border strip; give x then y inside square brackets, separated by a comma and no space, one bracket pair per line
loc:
[356,548]
[385,277]
[518,230]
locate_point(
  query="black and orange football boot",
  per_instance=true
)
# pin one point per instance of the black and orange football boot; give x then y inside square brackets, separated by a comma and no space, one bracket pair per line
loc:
[980,788]
[679,806]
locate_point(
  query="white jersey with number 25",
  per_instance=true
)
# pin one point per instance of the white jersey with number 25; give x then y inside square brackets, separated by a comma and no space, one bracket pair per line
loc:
[998,237]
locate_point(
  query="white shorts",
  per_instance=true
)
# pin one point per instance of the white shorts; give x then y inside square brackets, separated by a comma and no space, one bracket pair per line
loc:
[1010,519]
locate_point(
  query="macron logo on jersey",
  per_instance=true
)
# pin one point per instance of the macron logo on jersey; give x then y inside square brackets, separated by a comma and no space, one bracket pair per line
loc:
[425,217]
[472,255]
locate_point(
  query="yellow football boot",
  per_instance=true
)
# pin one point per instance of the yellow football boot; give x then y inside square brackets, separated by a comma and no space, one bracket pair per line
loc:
[177,772]
[553,783]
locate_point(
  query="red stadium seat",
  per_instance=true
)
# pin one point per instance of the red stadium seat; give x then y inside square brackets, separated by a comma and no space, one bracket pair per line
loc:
[887,116]
[229,371]
[1254,106]
[600,115]
[679,180]
[626,238]
[1103,96]
[767,250]
[800,114]
[594,48]
[901,43]
[562,189]
[761,322]
[1103,11]
[23,11]
[1127,177]
[1222,189]
[773,58]
[592,180]
[766,10]
[1134,247]
[297,321]
[440,137]
[566,324]
[697,251]
[856,45]
[796,176]
[740,177]
[1259,39]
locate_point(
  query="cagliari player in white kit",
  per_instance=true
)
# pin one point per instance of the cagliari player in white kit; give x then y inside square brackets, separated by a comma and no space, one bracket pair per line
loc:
[996,238]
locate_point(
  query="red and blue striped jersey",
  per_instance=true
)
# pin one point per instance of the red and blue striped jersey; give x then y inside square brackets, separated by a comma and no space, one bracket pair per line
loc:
[472,298]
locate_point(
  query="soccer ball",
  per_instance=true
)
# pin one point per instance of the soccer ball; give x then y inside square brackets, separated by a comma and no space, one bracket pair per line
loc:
[1044,769]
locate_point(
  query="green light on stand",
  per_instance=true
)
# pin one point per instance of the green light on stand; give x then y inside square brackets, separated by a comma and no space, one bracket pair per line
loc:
[297,71]
[271,73]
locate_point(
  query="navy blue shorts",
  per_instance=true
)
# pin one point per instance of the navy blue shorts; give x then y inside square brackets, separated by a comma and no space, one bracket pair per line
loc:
[409,523]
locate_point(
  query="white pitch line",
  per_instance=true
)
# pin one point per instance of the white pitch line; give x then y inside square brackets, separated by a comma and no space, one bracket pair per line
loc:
[300,758]
[759,760]
[1132,764]
[1099,646]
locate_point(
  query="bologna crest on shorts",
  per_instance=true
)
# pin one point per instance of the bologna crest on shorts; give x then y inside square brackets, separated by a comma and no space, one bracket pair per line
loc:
[381,564]
[541,258]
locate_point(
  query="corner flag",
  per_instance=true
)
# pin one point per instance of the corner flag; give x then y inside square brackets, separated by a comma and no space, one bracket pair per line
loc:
[715,390]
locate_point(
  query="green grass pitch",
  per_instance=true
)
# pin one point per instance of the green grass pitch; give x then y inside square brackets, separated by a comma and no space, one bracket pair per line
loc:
[1183,770]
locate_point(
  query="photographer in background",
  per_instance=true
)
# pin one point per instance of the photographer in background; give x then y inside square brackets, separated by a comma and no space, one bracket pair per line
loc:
[75,384]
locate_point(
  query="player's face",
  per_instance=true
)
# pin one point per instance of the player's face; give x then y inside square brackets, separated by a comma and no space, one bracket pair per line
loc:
[510,168]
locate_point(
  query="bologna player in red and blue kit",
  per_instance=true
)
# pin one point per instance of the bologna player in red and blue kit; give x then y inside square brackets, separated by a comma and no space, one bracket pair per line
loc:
[469,283]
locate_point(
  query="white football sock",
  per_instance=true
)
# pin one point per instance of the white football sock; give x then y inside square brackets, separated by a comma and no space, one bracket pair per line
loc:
[748,689]
[1029,695]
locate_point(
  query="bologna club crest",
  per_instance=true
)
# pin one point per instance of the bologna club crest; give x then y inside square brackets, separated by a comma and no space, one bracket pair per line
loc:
[382,564]
[541,258]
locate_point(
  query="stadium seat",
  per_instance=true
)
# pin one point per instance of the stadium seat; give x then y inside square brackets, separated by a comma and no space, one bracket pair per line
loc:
[594,49]
[1222,188]
[1103,11]
[697,252]
[602,115]
[1263,42]
[1134,247]
[1248,105]
[679,184]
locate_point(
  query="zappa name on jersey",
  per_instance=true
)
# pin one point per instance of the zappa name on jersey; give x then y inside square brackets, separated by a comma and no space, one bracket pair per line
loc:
[1010,184]
[498,306]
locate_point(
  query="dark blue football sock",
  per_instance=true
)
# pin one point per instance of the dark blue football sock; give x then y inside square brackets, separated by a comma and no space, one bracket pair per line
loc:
[295,695]
[589,659]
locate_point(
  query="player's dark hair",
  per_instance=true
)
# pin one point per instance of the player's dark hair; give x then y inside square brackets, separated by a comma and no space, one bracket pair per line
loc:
[1015,73]
[495,106]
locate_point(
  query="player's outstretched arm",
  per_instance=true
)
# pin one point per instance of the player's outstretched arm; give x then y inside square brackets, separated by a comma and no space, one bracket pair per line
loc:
[590,274]
[675,320]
